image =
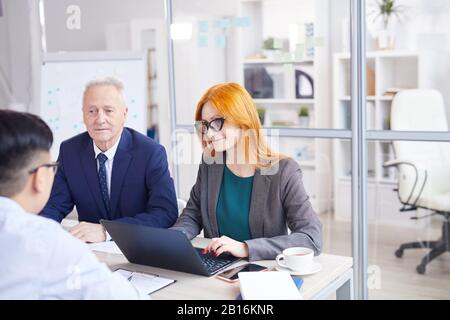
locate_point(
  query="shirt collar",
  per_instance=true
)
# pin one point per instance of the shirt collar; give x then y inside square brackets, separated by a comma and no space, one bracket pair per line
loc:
[9,205]
[110,153]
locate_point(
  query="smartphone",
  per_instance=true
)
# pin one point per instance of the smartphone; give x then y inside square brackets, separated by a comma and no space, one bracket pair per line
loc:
[231,275]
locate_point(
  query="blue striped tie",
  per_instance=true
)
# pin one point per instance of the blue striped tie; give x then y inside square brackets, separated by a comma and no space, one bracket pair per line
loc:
[102,178]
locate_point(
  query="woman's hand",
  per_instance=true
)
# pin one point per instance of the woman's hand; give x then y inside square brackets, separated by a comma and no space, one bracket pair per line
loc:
[225,244]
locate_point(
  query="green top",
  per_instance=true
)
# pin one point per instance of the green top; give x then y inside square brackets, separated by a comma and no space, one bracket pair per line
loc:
[233,206]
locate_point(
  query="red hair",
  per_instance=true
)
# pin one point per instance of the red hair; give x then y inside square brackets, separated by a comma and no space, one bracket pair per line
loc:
[235,104]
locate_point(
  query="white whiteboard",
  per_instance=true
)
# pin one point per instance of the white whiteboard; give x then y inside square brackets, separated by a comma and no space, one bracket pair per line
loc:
[64,76]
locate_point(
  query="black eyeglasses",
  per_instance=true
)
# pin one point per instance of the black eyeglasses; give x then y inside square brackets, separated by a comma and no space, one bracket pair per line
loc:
[216,124]
[54,166]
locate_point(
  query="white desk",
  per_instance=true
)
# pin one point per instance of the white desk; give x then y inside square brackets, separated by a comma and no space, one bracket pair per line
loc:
[336,276]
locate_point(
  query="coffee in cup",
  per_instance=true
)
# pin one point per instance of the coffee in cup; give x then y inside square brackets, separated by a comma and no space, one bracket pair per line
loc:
[297,259]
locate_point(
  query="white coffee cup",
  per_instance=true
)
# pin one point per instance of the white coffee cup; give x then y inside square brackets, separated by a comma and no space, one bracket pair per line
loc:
[297,259]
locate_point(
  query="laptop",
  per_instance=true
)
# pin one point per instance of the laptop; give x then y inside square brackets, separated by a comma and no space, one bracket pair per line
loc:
[164,248]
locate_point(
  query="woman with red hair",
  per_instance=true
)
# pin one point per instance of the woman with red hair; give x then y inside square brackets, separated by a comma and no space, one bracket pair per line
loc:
[246,196]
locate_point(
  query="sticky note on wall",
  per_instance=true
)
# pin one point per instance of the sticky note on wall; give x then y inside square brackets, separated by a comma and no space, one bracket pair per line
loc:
[241,22]
[203,26]
[220,41]
[222,23]
[202,41]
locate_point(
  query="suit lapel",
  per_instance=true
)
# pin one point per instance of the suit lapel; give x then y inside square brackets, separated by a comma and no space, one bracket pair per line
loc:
[121,163]
[261,187]
[89,164]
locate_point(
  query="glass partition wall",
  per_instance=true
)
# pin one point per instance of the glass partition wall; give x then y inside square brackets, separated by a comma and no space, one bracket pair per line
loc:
[408,56]
[356,96]
[325,77]
[280,51]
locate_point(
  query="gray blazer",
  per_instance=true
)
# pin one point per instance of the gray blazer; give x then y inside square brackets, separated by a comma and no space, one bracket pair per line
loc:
[278,201]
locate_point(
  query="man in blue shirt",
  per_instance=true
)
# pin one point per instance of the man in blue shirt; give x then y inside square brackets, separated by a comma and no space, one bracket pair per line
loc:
[39,260]
[111,172]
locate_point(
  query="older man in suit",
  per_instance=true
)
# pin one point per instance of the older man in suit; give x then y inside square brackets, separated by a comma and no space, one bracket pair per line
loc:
[111,172]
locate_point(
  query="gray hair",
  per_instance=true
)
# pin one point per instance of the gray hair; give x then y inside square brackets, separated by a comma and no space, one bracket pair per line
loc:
[106,81]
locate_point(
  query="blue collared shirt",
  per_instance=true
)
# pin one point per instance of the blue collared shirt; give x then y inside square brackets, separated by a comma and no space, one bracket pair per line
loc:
[39,260]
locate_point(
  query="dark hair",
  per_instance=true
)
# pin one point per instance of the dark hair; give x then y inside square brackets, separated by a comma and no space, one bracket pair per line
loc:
[22,137]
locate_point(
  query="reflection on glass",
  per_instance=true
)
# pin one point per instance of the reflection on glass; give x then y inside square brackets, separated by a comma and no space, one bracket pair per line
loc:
[281,51]
[408,223]
[407,49]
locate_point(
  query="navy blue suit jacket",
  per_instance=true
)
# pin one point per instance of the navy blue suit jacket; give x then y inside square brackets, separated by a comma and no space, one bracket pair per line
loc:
[142,191]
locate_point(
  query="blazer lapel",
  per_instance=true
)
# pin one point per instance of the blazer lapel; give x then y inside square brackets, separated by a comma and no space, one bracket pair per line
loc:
[215,175]
[261,187]
[122,160]
[89,164]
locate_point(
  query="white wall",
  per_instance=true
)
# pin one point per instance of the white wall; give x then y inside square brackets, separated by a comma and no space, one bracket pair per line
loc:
[425,25]
[16,53]
[427,28]
[5,69]
[340,10]
[19,46]
[95,16]
[277,15]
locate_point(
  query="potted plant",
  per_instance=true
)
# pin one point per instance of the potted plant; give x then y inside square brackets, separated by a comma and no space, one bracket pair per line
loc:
[303,113]
[269,48]
[261,114]
[385,9]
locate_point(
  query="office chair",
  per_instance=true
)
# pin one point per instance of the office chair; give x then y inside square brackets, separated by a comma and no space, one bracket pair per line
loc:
[423,167]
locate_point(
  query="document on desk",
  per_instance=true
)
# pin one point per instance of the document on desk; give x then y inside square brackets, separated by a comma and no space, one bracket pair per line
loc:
[268,285]
[145,282]
[106,246]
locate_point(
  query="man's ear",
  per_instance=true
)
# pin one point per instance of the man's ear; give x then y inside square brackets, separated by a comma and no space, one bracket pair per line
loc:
[38,180]
[125,112]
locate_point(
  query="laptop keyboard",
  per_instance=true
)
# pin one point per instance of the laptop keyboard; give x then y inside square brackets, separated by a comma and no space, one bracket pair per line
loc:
[213,263]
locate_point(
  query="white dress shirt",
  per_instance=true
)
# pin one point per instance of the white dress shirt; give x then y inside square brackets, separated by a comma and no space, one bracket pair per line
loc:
[39,260]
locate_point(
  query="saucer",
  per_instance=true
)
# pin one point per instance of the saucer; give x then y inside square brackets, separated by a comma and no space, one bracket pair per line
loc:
[315,267]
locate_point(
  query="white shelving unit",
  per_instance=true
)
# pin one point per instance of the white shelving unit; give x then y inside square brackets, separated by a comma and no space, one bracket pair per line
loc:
[390,70]
[267,61]
[309,153]
[283,76]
